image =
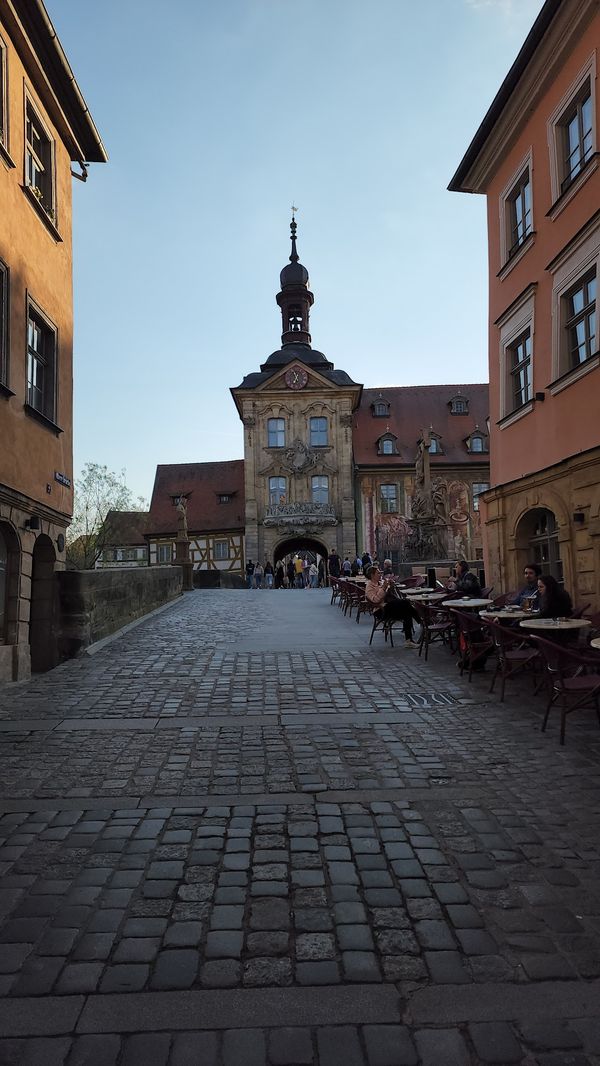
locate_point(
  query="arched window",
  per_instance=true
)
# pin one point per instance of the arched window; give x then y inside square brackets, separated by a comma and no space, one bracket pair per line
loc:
[381,409]
[435,447]
[477,444]
[537,540]
[386,445]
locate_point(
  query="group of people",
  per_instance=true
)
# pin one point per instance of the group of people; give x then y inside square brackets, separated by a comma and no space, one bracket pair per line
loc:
[300,572]
[543,594]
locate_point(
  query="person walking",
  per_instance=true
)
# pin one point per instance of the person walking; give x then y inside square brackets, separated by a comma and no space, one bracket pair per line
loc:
[258,575]
[321,572]
[313,574]
[279,574]
[250,574]
[298,583]
[291,573]
[334,563]
[268,574]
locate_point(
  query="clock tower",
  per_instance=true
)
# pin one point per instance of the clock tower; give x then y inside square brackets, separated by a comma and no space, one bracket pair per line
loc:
[298,415]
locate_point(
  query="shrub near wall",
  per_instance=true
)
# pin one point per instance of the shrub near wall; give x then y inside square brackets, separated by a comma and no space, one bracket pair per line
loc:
[96,603]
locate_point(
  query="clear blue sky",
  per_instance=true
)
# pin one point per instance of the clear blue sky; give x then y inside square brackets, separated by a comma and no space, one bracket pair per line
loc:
[217,115]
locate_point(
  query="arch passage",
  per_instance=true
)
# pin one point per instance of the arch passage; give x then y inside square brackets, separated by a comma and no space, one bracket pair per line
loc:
[537,541]
[43,593]
[300,545]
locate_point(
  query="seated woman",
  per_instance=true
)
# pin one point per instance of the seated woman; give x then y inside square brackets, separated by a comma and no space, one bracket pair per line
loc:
[388,606]
[554,602]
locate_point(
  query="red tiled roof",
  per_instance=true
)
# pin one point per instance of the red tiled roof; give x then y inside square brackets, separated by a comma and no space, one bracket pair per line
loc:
[414,408]
[203,483]
[125,528]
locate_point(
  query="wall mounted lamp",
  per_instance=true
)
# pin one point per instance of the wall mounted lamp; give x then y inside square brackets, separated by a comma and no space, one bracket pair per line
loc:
[540,397]
[578,517]
[33,522]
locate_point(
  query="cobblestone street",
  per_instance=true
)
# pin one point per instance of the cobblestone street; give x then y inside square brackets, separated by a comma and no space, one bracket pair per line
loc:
[237,835]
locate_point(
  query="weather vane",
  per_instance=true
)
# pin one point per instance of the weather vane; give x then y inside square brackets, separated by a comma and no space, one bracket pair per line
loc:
[294,210]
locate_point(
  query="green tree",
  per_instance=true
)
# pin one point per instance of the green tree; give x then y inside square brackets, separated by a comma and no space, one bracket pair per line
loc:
[97,491]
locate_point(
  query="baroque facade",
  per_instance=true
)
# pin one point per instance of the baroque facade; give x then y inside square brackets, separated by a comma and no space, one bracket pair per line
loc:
[297,413]
[535,158]
[45,126]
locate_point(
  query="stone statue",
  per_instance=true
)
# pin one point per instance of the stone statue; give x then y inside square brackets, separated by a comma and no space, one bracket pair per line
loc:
[182,530]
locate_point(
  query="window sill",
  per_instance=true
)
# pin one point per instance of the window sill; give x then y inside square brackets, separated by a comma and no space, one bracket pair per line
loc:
[516,256]
[43,214]
[6,157]
[565,197]
[574,375]
[516,415]
[43,419]
[5,391]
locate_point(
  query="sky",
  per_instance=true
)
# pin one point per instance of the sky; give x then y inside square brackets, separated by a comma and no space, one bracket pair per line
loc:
[217,115]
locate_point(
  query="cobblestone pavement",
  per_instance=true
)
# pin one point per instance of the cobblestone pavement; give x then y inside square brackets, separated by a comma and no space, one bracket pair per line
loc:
[239,836]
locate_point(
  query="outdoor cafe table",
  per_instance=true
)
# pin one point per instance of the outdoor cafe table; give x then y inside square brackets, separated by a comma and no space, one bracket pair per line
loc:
[595,643]
[425,597]
[562,624]
[502,615]
[465,604]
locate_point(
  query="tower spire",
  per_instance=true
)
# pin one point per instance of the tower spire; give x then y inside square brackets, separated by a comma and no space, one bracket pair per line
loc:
[294,258]
[295,298]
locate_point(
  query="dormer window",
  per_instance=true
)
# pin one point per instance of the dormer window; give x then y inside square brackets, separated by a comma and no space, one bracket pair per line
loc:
[380,408]
[224,497]
[477,442]
[435,444]
[459,405]
[386,445]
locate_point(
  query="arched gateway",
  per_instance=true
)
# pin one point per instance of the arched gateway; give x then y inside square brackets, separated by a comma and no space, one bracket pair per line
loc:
[298,413]
[302,546]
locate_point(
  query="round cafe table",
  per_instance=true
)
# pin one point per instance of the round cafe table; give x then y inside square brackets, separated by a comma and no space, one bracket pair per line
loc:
[595,643]
[561,624]
[500,614]
[464,605]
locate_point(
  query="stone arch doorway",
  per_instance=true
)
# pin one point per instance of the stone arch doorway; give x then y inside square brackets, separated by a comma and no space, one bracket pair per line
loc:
[42,638]
[303,546]
[537,541]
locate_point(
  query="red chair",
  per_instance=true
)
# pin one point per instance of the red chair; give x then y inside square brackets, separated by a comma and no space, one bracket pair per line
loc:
[415,582]
[580,611]
[486,592]
[474,646]
[513,654]
[335,588]
[569,681]
[507,597]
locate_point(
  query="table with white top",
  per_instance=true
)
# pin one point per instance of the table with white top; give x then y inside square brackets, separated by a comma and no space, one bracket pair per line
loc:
[552,624]
[462,605]
[595,642]
[500,614]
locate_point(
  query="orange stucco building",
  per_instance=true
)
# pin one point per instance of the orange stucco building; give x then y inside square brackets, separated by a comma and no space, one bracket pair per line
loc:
[535,157]
[45,126]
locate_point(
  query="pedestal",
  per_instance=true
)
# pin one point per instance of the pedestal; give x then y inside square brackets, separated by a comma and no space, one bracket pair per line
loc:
[182,559]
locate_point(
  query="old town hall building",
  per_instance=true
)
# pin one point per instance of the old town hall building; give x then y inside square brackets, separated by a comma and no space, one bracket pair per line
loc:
[327,464]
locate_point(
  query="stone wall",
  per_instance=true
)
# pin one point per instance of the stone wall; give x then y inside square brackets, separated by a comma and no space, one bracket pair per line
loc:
[96,603]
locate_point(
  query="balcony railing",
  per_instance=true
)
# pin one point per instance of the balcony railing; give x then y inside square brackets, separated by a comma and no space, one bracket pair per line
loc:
[299,513]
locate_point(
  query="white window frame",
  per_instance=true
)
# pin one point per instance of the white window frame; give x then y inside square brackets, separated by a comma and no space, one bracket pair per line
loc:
[315,433]
[163,550]
[385,500]
[47,201]
[221,550]
[577,261]
[277,489]
[49,361]
[275,432]
[320,489]
[555,137]
[506,196]
[516,320]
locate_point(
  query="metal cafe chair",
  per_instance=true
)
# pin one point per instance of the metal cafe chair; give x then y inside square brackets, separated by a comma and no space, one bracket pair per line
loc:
[473,644]
[436,624]
[513,654]
[574,680]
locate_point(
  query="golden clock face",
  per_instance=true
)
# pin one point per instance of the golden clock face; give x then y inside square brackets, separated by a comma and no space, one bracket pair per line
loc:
[296,377]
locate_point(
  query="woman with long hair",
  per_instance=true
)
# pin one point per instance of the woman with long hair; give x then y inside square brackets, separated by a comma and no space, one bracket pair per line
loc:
[554,601]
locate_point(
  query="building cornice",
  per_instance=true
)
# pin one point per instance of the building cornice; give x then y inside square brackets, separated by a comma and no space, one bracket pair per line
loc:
[34,36]
[557,28]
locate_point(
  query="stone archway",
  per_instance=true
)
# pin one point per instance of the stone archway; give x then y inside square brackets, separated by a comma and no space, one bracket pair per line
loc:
[42,637]
[300,545]
[537,541]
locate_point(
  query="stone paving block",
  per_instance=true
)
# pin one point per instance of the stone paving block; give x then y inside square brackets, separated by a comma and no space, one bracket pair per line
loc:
[549,1034]
[194,1049]
[495,1042]
[38,975]
[339,1046]
[125,977]
[151,1049]
[220,973]
[260,972]
[317,973]
[175,968]
[442,1046]
[49,1051]
[244,1047]
[446,967]
[95,1051]
[361,966]
[79,977]
[389,1045]
[290,1047]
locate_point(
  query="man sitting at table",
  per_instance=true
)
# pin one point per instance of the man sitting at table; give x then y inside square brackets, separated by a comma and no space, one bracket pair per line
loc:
[464,581]
[530,590]
[387,604]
